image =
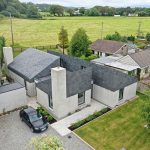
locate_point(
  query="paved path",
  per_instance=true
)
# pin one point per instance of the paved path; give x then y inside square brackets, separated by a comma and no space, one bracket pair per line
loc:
[15,135]
[62,126]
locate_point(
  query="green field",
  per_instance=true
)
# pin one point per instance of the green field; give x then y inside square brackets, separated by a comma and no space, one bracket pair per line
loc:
[122,127]
[31,33]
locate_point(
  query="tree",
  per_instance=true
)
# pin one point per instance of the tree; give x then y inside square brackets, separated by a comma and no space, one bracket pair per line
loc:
[63,38]
[46,142]
[2,44]
[70,11]
[146,110]
[115,37]
[148,37]
[57,10]
[32,11]
[79,43]
[82,10]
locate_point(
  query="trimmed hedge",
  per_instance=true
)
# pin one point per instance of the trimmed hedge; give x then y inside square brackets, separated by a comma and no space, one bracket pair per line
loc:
[46,115]
[88,119]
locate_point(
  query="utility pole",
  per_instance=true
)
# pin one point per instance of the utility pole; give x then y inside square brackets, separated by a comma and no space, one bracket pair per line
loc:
[139,29]
[102,27]
[12,35]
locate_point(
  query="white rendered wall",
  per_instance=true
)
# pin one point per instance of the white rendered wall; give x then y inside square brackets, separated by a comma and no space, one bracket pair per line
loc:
[12,99]
[129,92]
[8,55]
[62,105]
[31,89]
[105,96]
[111,98]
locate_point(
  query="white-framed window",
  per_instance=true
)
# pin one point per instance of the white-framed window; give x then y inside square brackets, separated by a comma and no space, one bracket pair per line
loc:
[50,102]
[81,98]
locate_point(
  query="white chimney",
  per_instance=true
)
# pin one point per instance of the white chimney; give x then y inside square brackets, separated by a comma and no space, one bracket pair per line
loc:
[8,55]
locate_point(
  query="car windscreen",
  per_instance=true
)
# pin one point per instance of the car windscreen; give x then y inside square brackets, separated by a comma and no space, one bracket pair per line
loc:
[35,117]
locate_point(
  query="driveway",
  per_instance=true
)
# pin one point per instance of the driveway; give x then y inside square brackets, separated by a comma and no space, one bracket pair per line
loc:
[15,135]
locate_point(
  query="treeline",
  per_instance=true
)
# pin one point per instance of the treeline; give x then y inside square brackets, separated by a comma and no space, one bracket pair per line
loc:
[58,10]
[18,9]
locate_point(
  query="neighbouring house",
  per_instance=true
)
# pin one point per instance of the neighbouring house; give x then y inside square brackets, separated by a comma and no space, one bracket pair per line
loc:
[104,48]
[132,15]
[64,84]
[136,64]
[12,96]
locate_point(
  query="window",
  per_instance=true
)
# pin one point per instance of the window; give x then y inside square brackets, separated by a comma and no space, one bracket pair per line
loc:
[81,98]
[50,101]
[121,94]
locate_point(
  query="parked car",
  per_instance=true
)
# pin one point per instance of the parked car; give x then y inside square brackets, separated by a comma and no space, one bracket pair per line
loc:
[33,119]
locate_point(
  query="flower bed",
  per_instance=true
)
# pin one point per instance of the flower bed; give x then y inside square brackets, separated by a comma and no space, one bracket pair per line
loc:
[46,115]
[88,119]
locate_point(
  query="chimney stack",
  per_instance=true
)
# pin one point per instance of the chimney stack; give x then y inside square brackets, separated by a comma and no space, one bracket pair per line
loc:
[8,55]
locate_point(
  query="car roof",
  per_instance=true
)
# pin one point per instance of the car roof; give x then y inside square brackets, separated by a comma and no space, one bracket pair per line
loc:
[30,110]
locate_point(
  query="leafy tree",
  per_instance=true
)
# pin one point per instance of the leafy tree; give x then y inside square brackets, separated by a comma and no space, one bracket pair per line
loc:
[32,11]
[82,10]
[63,38]
[79,43]
[57,10]
[94,12]
[148,37]
[146,110]
[116,37]
[2,44]
[70,11]
[46,142]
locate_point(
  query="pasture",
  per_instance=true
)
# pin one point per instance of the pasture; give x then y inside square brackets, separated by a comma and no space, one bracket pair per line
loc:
[31,33]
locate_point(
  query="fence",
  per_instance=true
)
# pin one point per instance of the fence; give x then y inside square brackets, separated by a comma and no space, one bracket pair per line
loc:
[18,50]
[143,88]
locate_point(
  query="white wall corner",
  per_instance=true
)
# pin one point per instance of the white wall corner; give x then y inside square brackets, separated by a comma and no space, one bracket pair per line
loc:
[8,55]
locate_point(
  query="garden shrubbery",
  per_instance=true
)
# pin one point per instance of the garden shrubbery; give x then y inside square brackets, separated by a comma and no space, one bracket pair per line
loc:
[89,118]
[46,115]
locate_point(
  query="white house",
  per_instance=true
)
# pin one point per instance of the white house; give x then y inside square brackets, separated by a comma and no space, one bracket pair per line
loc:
[64,85]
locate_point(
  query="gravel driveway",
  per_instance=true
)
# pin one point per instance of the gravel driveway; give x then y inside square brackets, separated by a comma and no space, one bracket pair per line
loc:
[15,135]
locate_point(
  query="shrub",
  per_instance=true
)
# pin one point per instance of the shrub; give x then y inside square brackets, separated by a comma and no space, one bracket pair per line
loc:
[88,119]
[46,115]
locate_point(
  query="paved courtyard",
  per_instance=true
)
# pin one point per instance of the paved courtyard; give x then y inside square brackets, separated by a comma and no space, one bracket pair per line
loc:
[15,135]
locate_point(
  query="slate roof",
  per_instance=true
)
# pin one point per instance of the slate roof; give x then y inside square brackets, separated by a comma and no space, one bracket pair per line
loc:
[44,84]
[10,87]
[31,62]
[106,46]
[142,58]
[111,79]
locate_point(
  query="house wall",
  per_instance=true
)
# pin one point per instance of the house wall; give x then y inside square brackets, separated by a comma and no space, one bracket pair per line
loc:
[12,99]
[62,104]
[143,74]
[111,98]
[62,108]
[30,87]
[105,96]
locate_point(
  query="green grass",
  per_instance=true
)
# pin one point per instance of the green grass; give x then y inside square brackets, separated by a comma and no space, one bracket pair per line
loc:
[31,33]
[122,127]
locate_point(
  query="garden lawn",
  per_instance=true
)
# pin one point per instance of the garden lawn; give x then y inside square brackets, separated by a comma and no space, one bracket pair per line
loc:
[119,128]
[30,33]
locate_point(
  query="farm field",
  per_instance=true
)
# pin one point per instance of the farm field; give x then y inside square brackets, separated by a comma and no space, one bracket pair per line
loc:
[29,33]
[120,128]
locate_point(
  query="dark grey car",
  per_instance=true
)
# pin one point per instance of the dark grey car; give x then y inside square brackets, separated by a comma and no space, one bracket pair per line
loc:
[33,119]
